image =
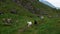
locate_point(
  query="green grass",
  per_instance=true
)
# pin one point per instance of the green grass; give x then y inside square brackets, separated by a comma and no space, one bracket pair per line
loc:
[23,16]
[45,26]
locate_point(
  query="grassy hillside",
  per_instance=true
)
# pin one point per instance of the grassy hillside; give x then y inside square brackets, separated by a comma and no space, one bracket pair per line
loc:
[28,10]
[22,16]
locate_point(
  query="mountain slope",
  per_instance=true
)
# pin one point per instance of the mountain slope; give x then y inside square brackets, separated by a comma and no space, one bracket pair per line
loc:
[35,6]
[19,20]
[28,10]
[47,3]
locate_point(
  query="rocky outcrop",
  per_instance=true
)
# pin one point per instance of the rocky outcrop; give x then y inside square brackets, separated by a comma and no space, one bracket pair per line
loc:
[28,4]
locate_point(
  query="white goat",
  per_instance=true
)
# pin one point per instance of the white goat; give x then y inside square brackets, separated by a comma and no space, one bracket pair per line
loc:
[29,23]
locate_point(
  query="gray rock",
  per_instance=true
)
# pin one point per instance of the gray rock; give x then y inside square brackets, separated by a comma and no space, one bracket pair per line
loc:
[43,13]
[7,21]
[42,17]
[57,15]
[13,11]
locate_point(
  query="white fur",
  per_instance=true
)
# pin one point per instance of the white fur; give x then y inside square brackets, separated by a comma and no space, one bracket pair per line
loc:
[29,23]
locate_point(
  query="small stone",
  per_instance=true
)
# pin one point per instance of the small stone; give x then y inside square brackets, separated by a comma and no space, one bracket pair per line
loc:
[42,17]
[57,15]
[7,21]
